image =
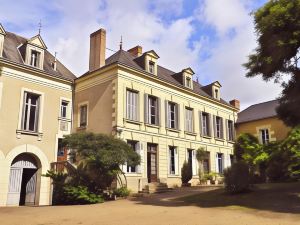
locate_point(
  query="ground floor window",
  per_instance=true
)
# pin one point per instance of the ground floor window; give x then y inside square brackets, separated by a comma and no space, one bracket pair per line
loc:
[133,144]
[219,163]
[172,160]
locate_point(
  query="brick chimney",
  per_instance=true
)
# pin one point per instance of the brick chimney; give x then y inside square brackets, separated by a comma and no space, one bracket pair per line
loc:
[136,51]
[235,103]
[97,49]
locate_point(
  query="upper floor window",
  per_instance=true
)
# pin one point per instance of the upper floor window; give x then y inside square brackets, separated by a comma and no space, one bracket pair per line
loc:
[83,116]
[205,124]
[151,67]
[64,109]
[188,82]
[30,114]
[219,127]
[230,130]
[172,115]
[34,58]
[153,112]
[216,93]
[189,120]
[264,134]
[132,105]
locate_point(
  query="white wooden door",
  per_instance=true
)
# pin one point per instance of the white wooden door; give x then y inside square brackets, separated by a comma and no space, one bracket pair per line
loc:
[14,189]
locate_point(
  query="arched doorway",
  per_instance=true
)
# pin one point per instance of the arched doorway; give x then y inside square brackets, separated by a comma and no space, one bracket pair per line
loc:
[24,176]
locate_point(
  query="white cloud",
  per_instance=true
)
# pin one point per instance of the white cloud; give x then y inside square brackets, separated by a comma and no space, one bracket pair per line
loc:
[230,51]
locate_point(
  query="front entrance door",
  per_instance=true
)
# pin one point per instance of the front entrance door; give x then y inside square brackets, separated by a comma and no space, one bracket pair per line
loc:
[152,163]
[22,182]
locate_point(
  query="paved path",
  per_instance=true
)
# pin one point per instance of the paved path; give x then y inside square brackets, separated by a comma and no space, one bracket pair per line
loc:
[155,209]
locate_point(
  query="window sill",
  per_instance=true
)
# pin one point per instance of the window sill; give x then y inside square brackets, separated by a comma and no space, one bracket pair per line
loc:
[190,133]
[206,137]
[132,121]
[81,128]
[133,174]
[173,130]
[32,133]
[219,139]
[173,176]
[152,125]
[231,142]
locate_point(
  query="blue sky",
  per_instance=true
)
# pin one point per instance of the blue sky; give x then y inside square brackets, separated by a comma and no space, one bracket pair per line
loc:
[213,37]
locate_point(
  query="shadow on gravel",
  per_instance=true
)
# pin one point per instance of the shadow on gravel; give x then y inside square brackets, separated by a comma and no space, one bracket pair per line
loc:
[283,198]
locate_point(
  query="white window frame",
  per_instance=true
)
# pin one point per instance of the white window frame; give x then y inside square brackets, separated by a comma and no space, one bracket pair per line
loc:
[220,158]
[172,172]
[156,110]
[174,112]
[151,67]
[129,168]
[265,136]
[132,105]
[29,50]
[205,124]
[230,130]
[218,127]
[41,109]
[189,120]
[79,114]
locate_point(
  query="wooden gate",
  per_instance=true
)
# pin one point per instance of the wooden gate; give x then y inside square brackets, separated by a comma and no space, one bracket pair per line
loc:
[22,181]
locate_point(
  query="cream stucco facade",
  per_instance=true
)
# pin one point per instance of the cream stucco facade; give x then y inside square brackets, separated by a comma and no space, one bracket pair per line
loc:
[104,91]
[22,149]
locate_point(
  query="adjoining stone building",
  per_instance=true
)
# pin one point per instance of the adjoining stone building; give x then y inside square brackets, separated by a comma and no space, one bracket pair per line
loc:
[261,120]
[35,112]
[164,115]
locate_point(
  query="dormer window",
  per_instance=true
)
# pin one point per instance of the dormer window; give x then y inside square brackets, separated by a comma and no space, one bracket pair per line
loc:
[188,82]
[151,67]
[34,58]
[216,94]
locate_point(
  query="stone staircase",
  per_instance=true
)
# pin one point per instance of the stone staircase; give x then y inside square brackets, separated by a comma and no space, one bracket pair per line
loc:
[157,187]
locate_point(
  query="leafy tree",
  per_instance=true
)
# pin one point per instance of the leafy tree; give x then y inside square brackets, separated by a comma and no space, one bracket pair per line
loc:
[98,158]
[277,26]
[201,155]
[186,172]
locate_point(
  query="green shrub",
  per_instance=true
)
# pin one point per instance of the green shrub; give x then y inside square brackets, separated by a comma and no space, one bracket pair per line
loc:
[81,195]
[186,173]
[122,192]
[237,178]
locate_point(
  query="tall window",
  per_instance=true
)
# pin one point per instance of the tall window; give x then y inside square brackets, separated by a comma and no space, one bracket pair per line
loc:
[151,67]
[205,124]
[64,109]
[218,127]
[83,116]
[230,130]
[172,115]
[216,93]
[30,112]
[132,169]
[132,105]
[34,58]
[188,119]
[265,136]
[220,166]
[188,82]
[172,158]
[153,110]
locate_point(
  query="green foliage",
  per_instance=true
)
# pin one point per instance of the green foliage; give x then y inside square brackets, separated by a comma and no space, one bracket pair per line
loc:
[99,157]
[278,30]
[186,172]
[122,192]
[237,178]
[81,195]
[201,155]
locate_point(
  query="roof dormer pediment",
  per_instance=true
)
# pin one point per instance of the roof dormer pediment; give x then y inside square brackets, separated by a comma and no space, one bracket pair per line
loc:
[2,31]
[152,54]
[37,41]
[217,84]
[188,71]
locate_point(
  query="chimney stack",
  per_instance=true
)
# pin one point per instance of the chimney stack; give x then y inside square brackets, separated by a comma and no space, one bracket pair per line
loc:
[136,51]
[235,103]
[97,49]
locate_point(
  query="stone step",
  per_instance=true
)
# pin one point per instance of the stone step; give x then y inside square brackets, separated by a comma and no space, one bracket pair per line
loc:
[156,188]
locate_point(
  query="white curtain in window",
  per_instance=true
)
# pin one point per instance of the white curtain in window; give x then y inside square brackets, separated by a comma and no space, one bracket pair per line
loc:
[194,163]
[217,163]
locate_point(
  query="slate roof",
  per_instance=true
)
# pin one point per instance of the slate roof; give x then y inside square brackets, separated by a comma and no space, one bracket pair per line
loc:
[126,58]
[258,111]
[12,52]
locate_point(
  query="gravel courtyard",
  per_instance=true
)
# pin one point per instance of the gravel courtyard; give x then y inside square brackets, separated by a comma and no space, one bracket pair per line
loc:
[168,208]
